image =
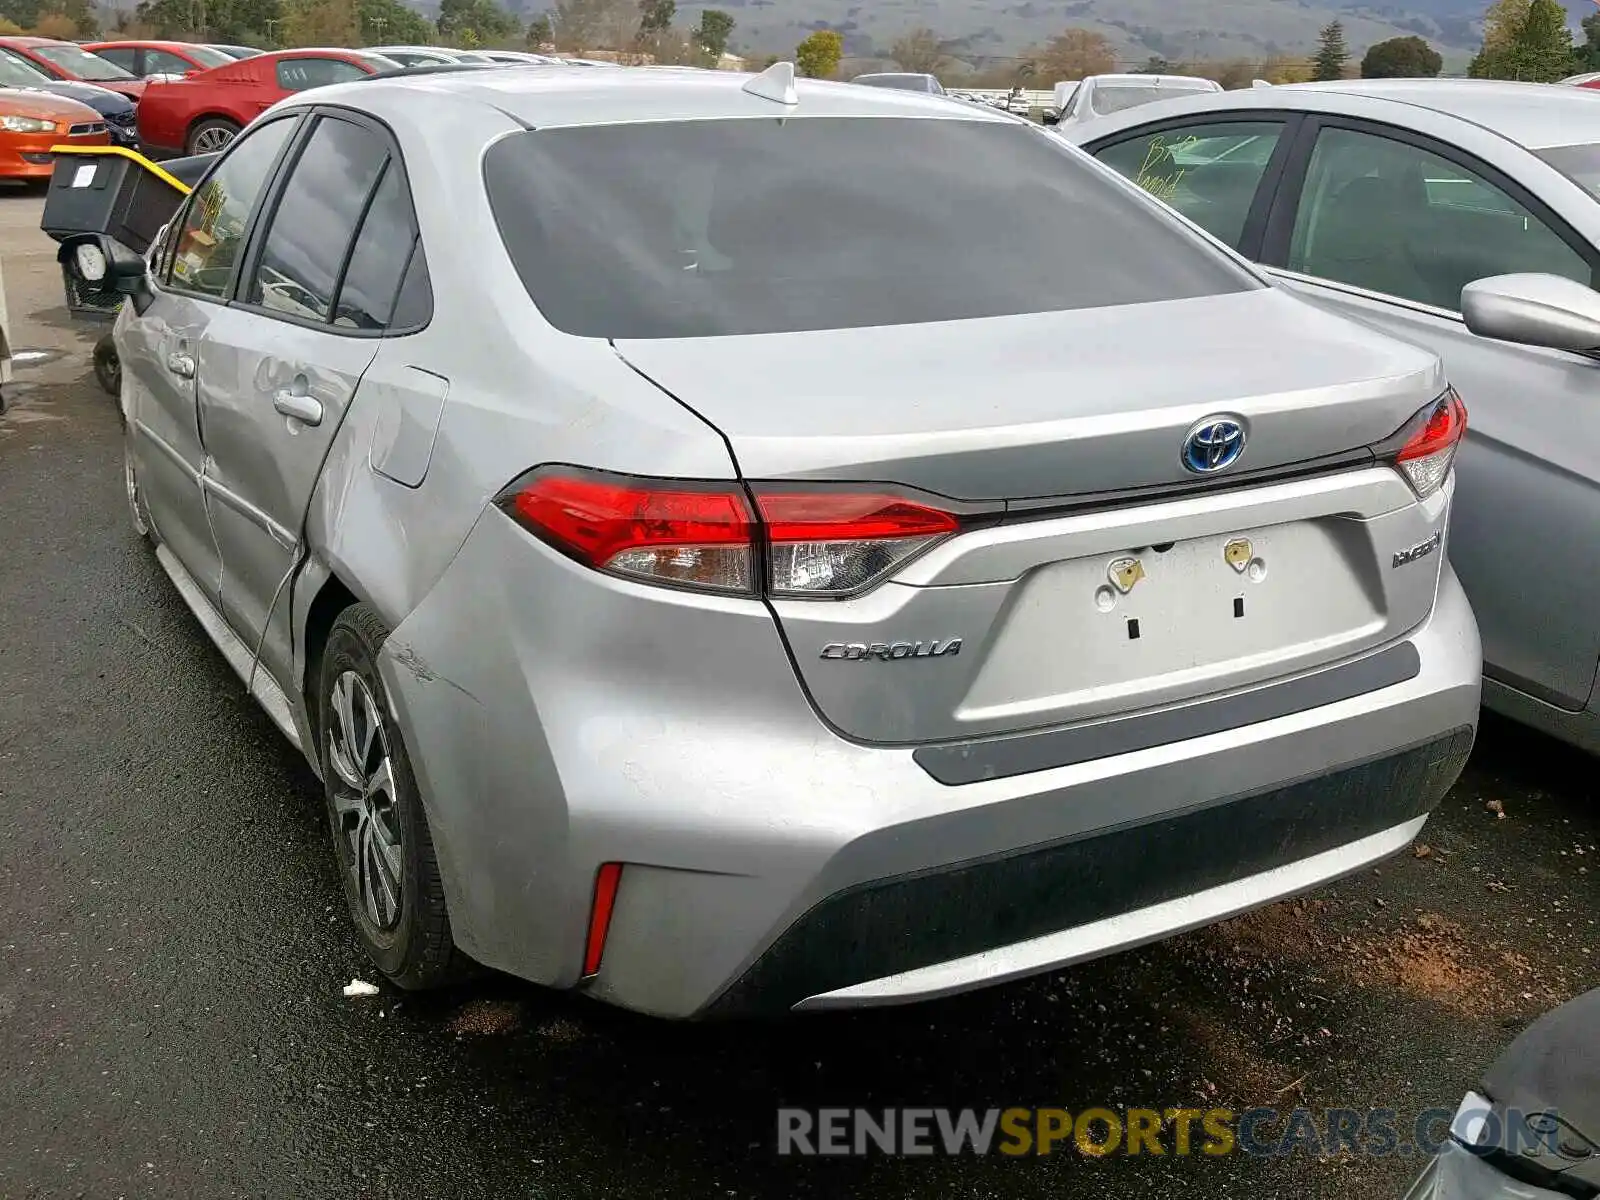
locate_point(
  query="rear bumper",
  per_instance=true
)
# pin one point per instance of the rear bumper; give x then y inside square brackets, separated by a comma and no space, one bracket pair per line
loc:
[558,720]
[975,924]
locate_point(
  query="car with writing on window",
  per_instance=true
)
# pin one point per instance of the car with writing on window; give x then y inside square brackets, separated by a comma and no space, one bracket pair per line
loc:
[203,112]
[1462,215]
[145,59]
[115,109]
[71,63]
[711,564]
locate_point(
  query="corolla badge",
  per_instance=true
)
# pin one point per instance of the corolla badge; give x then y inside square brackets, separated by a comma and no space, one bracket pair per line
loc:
[1213,445]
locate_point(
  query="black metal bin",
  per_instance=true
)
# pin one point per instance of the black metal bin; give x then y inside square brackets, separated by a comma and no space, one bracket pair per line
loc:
[109,190]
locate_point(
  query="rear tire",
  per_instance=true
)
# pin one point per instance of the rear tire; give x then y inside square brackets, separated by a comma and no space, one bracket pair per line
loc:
[380,832]
[211,135]
[108,368]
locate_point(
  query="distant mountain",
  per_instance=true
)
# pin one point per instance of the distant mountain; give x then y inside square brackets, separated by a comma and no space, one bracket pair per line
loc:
[1203,29]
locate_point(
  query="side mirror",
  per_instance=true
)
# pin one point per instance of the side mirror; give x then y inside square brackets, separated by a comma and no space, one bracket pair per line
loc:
[1052,118]
[100,262]
[1534,310]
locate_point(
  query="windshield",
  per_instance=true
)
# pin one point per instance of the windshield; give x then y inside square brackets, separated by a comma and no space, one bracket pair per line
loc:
[724,227]
[1116,97]
[1581,164]
[75,60]
[207,57]
[15,73]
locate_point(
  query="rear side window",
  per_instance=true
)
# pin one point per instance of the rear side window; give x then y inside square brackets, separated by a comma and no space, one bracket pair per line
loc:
[299,74]
[382,252]
[310,233]
[1209,173]
[123,56]
[708,228]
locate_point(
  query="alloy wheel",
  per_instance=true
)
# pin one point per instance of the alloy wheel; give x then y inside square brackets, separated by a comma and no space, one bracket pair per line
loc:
[366,816]
[212,139]
[130,482]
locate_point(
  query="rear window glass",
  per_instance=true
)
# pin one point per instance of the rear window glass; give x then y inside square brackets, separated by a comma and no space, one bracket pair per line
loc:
[207,57]
[1580,163]
[708,228]
[80,62]
[1107,100]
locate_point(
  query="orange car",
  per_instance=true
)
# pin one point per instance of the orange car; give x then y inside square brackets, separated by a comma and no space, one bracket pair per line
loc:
[32,122]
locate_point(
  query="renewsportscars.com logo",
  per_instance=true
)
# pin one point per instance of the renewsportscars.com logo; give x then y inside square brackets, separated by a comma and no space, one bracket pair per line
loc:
[1099,1132]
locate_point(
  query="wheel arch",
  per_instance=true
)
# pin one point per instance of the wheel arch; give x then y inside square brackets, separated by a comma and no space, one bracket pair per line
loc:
[329,596]
[210,114]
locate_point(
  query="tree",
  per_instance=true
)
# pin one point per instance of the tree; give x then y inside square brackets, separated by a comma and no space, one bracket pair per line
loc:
[1501,21]
[1401,58]
[387,22]
[540,32]
[321,23]
[1072,54]
[481,21]
[594,24]
[655,16]
[712,34]
[1587,56]
[1155,65]
[1544,44]
[818,56]
[1332,53]
[1537,47]
[919,51]
[1283,69]
[56,25]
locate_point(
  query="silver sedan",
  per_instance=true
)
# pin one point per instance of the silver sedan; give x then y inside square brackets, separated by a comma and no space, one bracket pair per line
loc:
[713,563]
[1460,215]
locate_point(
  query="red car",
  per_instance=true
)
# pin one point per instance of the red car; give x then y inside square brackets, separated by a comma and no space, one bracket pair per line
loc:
[144,59]
[70,61]
[202,113]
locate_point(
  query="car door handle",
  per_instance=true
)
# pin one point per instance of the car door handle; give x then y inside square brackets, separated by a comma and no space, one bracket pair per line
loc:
[181,365]
[306,409]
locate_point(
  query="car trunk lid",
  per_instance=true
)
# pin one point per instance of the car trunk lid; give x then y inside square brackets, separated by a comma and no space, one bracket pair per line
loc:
[1052,610]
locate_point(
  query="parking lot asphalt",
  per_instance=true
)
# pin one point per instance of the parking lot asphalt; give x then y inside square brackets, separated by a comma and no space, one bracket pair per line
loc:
[173,944]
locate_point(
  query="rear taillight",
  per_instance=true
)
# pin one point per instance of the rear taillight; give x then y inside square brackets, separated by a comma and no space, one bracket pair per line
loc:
[688,534]
[814,541]
[824,543]
[1426,456]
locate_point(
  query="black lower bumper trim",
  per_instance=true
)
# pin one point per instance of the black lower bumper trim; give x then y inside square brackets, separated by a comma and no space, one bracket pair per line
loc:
[1019,753]
[892,925]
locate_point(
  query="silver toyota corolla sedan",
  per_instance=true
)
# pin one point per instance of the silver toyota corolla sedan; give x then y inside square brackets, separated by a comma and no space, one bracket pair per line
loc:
[713,563]
[1460,215]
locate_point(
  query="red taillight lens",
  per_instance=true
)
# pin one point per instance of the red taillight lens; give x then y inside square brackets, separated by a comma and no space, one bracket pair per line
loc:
[820,541]
[605,899]
[828,543]
[1426,457]
[681,533]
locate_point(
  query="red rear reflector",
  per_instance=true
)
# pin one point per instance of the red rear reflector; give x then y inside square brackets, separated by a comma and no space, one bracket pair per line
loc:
[605,898]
